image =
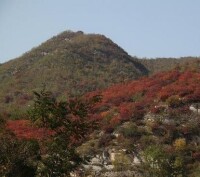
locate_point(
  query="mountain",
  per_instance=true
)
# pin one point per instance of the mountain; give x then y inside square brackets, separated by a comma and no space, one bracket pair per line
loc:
[69,64]
[154,118]
[72,64]
[143,124]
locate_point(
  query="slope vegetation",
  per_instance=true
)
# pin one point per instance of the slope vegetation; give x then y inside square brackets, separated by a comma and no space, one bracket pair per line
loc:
[69,64]
[166,64]
[153,118]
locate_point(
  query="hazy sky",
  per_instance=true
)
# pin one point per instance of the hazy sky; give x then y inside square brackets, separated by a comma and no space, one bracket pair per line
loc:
[144,28]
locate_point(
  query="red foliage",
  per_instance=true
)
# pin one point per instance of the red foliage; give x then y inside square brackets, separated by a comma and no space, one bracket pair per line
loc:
[193,98]
[159,87]
[126,110]
[23,129]
[115,121]
[131,100]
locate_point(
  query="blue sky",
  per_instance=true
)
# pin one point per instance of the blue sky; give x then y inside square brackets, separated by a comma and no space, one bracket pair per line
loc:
[144,28]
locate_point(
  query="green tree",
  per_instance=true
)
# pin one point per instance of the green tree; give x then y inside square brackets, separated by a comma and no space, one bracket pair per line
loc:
[70,125]
[156,162]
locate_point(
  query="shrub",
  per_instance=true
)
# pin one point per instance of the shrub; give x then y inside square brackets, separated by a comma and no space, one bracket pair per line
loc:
[174,101]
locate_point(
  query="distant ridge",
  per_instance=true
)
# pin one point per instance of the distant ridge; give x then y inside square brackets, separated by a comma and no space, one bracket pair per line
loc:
[165,64]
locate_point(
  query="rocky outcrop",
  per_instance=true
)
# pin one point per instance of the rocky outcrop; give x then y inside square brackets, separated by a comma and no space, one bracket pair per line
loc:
[127,173]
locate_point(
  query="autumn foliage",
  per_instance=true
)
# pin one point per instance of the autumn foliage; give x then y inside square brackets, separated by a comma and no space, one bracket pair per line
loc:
[24,129]
[131,100]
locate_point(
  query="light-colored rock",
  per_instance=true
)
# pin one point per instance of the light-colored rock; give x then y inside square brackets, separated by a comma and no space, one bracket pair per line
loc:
[136,160]
[113,155]
[95,160]
[195,108]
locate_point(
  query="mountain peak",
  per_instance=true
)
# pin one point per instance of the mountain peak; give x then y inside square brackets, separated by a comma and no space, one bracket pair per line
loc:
[69,64]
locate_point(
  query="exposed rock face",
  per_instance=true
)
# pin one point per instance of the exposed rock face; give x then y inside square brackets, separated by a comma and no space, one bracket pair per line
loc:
[108,160]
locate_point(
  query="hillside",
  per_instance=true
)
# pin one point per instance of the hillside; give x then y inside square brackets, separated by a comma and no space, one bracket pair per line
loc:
[154,117]
[72,64]
[69,64]
[172,87]
[166,64]
[149,126]
[131,100]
